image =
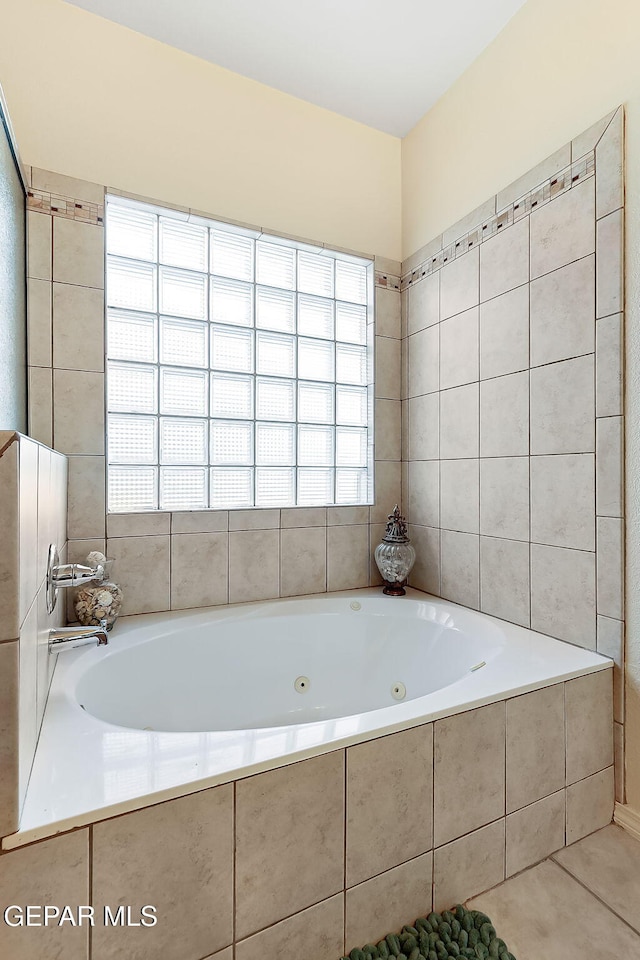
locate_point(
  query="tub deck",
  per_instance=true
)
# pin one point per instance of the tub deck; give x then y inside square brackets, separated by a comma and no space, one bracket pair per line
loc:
[86,770]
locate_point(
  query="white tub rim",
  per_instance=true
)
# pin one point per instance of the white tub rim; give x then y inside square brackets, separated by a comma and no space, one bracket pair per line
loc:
[39,819]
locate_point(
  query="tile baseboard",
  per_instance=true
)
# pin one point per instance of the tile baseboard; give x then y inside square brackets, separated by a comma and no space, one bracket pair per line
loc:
[628,819]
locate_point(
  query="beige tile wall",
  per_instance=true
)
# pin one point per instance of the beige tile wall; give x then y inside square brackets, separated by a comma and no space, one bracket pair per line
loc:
[513,405]
[33,485]
[173,561]
[327,854]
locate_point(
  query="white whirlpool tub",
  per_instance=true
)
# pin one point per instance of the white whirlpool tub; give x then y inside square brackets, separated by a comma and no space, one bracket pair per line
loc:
[182,701]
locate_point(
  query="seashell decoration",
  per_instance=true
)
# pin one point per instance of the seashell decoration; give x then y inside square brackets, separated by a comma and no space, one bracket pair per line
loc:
[98,600]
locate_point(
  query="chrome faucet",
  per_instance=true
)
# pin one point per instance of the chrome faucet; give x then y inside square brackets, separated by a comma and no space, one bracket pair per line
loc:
[75,574]
[68,638]
[67,575]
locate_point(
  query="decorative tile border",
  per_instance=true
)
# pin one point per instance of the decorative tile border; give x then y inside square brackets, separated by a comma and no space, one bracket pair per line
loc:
[386,281]
[554,187]
[42,202]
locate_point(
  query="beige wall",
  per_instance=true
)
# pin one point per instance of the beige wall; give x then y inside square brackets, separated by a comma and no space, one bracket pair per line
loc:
[557,67]
[96,101]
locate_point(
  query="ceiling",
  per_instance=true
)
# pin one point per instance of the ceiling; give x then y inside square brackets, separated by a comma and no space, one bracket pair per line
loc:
[382,63]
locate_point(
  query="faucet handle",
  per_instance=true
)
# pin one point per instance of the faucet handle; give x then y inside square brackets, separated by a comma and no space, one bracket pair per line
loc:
[75,574]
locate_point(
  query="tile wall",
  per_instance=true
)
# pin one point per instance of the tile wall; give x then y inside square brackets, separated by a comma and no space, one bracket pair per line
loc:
[312,859]
[173,561]
[513,403]
[33,485]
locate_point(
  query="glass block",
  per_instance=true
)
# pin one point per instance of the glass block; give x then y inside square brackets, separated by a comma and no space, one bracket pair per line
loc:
[231,302]
[315,317]
[183,392]
[183,294]
[183,488]
[183,441]
[231,396]
[351,447]
[131,233]
[275,487]
[275,399]
[352,486]
[131,285]
[351,281]
[314,487]
[184,342]
[275,355]
[232,349]
[132,489]
[132,388]
[132,439]
[231,442]
[315,402]
[131,336]
[275,310]
[315,274]
[351,364]
[183,244]
[231,487]
[351,406]
[315,445]
[275,443]
[275,265]
[351,323]
[315,359]
[231,255]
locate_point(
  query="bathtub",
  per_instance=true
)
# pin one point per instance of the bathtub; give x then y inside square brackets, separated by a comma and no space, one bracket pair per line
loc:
[182,701]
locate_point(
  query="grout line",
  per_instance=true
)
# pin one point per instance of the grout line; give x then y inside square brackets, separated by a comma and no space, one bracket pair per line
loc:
[504,854]
[234,865]
[593,893]
[90,900]
[228,564]
[518,456]
[433,813]
[529,551]
[276,923]
[344,863]
[279,568]
[480,442]
[565,739]
[396,866]
[501,376]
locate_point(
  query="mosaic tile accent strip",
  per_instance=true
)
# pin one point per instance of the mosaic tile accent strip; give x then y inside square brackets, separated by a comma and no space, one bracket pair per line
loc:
[554,187]
[42,202]
[387,282]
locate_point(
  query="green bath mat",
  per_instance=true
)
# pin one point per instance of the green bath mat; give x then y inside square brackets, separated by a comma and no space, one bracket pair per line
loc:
[450,935]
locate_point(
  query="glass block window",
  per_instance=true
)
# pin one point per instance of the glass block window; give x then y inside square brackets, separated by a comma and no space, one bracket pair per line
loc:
[239,367]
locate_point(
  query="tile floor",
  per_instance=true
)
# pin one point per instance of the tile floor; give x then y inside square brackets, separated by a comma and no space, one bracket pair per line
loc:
[582,902]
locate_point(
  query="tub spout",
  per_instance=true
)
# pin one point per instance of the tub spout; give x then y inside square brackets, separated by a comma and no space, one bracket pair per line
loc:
[68,638]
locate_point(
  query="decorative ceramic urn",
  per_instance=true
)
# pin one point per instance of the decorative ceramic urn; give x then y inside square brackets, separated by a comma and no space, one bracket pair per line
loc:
[98,601]
[394,555]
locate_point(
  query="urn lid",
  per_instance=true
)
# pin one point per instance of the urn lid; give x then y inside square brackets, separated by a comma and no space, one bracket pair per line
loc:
[396,531]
